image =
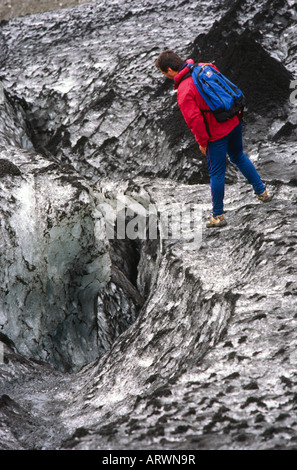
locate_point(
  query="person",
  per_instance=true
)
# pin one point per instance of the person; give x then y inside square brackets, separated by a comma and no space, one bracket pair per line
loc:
[215,139]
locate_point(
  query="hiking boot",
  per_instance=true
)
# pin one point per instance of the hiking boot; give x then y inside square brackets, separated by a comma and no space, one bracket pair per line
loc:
[218,221]
[265,196]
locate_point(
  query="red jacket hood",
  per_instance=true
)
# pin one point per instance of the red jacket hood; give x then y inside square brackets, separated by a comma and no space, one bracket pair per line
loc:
[182,72]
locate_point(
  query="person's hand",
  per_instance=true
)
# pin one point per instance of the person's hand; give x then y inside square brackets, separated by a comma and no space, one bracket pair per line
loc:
[203,150]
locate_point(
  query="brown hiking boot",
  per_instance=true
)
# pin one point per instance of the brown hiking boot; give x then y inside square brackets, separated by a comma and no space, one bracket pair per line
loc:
[218,221]
[265,196]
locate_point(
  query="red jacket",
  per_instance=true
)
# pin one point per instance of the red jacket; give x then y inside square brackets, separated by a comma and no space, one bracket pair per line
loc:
[191,102]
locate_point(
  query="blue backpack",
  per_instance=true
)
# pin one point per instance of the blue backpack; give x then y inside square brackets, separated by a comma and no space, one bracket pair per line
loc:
[224,98]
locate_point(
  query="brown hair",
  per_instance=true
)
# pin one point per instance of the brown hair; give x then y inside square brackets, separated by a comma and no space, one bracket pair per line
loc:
[169,59]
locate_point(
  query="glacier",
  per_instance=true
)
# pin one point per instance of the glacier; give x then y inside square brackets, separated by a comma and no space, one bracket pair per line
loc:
[144,342]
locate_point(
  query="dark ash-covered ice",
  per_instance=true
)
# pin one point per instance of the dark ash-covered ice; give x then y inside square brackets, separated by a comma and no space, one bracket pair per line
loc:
[144,344]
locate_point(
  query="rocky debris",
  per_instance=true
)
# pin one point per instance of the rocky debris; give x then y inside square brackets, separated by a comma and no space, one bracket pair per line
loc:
[8,168]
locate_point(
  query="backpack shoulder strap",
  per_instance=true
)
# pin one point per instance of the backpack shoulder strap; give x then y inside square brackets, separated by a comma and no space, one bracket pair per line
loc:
[189,74]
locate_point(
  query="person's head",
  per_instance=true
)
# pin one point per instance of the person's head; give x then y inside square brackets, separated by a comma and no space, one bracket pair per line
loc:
[169,63]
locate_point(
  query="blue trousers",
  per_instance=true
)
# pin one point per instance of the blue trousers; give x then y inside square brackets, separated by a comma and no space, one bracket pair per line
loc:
[216,154]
